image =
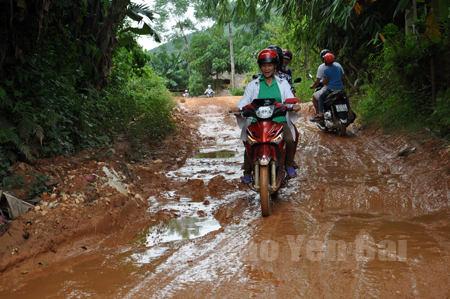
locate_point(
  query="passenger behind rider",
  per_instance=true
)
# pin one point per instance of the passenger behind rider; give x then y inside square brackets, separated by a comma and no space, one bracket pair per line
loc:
[320,69]
[186,94]
[278,73]
[287,57]
[209,90]
[269,85]
[333,77]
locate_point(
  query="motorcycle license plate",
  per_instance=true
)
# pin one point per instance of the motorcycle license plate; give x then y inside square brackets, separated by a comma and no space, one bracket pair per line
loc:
[341,108]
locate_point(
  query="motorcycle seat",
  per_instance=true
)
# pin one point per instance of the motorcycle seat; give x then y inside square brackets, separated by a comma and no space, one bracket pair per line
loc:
[334,95]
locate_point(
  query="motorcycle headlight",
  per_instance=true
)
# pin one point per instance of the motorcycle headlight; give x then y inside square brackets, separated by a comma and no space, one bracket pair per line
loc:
[251,140]
[278,138]
[265,111]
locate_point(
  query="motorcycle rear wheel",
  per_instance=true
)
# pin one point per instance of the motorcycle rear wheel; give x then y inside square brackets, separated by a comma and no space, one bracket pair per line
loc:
[264,191]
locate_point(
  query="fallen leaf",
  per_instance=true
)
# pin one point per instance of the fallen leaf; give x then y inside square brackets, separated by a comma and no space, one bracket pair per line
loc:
[91,177]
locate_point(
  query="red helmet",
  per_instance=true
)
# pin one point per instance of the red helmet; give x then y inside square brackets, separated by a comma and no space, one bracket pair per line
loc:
[287,54]
[268,56]
[329,58]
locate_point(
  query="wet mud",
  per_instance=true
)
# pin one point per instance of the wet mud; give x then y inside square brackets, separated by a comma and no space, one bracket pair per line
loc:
[359,221]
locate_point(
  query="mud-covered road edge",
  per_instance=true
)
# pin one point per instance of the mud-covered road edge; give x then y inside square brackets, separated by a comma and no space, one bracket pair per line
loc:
[93,222]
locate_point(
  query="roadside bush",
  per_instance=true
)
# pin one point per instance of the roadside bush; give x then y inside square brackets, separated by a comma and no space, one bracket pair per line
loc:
[237,92]
[50,108]
[152,117]
[399,93]
[196,84]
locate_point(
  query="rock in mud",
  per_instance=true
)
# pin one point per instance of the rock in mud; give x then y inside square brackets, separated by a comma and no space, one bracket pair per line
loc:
[194,189]
[218,185]
[407,151]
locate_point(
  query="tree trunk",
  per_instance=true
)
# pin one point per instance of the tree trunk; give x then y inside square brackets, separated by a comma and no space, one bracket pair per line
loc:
[233,85]
[187,47]
[217,82]
[433,81]
[414,8]
[407,20]
[105,41]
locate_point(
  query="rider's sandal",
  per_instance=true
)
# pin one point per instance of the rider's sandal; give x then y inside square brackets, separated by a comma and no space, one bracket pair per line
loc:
[291,172]
[316,119]
[246,180]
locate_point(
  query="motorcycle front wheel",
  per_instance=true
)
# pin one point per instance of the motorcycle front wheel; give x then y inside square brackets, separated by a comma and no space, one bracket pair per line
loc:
[264,191]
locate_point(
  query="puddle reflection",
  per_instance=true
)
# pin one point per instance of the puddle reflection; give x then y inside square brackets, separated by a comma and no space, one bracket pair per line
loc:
[157,238]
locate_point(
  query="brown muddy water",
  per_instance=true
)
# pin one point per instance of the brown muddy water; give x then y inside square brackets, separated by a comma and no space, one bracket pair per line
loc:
[358,222]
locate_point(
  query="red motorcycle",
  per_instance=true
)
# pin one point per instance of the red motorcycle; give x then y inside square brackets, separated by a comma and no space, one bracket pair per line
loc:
[265,147]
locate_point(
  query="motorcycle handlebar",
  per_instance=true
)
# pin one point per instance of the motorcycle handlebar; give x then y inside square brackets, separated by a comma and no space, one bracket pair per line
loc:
[236,113]
[241,111]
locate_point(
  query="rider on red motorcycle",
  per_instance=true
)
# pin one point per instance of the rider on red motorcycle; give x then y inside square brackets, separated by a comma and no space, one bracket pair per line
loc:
[269,86]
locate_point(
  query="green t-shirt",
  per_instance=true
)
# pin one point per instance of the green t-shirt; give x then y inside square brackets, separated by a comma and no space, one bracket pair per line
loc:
[269,92]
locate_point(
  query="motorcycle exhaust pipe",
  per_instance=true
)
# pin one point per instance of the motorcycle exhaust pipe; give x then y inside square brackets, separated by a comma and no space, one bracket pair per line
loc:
[257,179]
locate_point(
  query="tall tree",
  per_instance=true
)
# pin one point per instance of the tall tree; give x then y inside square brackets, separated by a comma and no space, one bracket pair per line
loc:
[229,12]
[175,11]
[224,9]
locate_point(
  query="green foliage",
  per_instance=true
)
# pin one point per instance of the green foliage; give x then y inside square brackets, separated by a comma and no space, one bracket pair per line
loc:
[172,67]
[14,181]
[66,87]
[210,55]
[152,118]
[169,47]
[39,185]
[196,84]
[302,63]
[5,168]
[174,11]
[237,92]
[398,96]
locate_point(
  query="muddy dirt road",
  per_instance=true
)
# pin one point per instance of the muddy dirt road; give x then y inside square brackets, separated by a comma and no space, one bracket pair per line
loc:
[358,222]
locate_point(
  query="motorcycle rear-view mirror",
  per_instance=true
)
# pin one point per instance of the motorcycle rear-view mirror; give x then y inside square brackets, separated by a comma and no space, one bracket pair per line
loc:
[291,101]
[298,80]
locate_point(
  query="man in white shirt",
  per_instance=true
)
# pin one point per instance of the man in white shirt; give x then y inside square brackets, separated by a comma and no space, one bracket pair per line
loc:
[320,69]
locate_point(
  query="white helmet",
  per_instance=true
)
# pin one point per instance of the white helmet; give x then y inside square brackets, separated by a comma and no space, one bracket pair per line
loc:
[209,85]
[186,90]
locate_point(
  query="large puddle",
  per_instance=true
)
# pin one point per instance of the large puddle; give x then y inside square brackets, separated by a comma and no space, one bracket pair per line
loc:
[156,236]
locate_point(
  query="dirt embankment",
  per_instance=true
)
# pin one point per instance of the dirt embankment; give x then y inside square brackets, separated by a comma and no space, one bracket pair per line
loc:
[85,209]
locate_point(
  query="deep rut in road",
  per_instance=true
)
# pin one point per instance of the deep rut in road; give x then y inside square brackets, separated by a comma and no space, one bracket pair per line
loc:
[358,222]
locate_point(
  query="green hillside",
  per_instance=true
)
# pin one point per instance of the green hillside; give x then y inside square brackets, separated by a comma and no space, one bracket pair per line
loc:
[172,47]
